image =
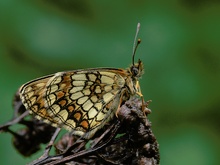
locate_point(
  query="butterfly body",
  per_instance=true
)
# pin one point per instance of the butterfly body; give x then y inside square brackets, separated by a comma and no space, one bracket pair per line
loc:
[81,101]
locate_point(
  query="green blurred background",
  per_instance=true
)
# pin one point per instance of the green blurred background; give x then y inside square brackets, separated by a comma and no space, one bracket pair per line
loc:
[180,49]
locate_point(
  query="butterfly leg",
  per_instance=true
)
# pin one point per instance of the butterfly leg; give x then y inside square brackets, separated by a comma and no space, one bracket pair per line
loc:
[123,93]
[141,95]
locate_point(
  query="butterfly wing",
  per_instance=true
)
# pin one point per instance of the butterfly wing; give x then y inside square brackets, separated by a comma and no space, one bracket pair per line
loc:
[81,101]
[31,95]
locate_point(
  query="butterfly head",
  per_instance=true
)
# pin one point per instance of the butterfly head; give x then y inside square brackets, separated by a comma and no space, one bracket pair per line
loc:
[137,69]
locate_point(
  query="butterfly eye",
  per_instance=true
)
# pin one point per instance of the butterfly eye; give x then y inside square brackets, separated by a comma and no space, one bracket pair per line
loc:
[134,71]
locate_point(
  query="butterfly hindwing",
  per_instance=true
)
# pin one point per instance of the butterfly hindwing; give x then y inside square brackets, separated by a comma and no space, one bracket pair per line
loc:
[81,100]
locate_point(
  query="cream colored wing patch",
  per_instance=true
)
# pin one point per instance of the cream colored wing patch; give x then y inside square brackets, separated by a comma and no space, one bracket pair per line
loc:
[81,101]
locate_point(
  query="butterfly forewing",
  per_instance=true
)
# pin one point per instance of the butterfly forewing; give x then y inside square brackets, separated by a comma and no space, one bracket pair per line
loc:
[81,100]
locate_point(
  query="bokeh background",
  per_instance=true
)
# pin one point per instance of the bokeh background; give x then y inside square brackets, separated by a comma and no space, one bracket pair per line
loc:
[180,49]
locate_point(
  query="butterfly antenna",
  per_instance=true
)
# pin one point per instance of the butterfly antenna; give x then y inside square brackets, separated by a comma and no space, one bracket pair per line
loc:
[136,42]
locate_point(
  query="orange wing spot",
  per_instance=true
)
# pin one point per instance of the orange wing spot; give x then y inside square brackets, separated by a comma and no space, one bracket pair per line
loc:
[40,104]
[85,124]
[122,72]
[42,112]
[60,94]
[108,106]
[70,108]
[67,80]
[63,103]
[77,116]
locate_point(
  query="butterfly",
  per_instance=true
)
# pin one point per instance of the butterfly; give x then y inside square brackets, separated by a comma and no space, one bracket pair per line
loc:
[82,101]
